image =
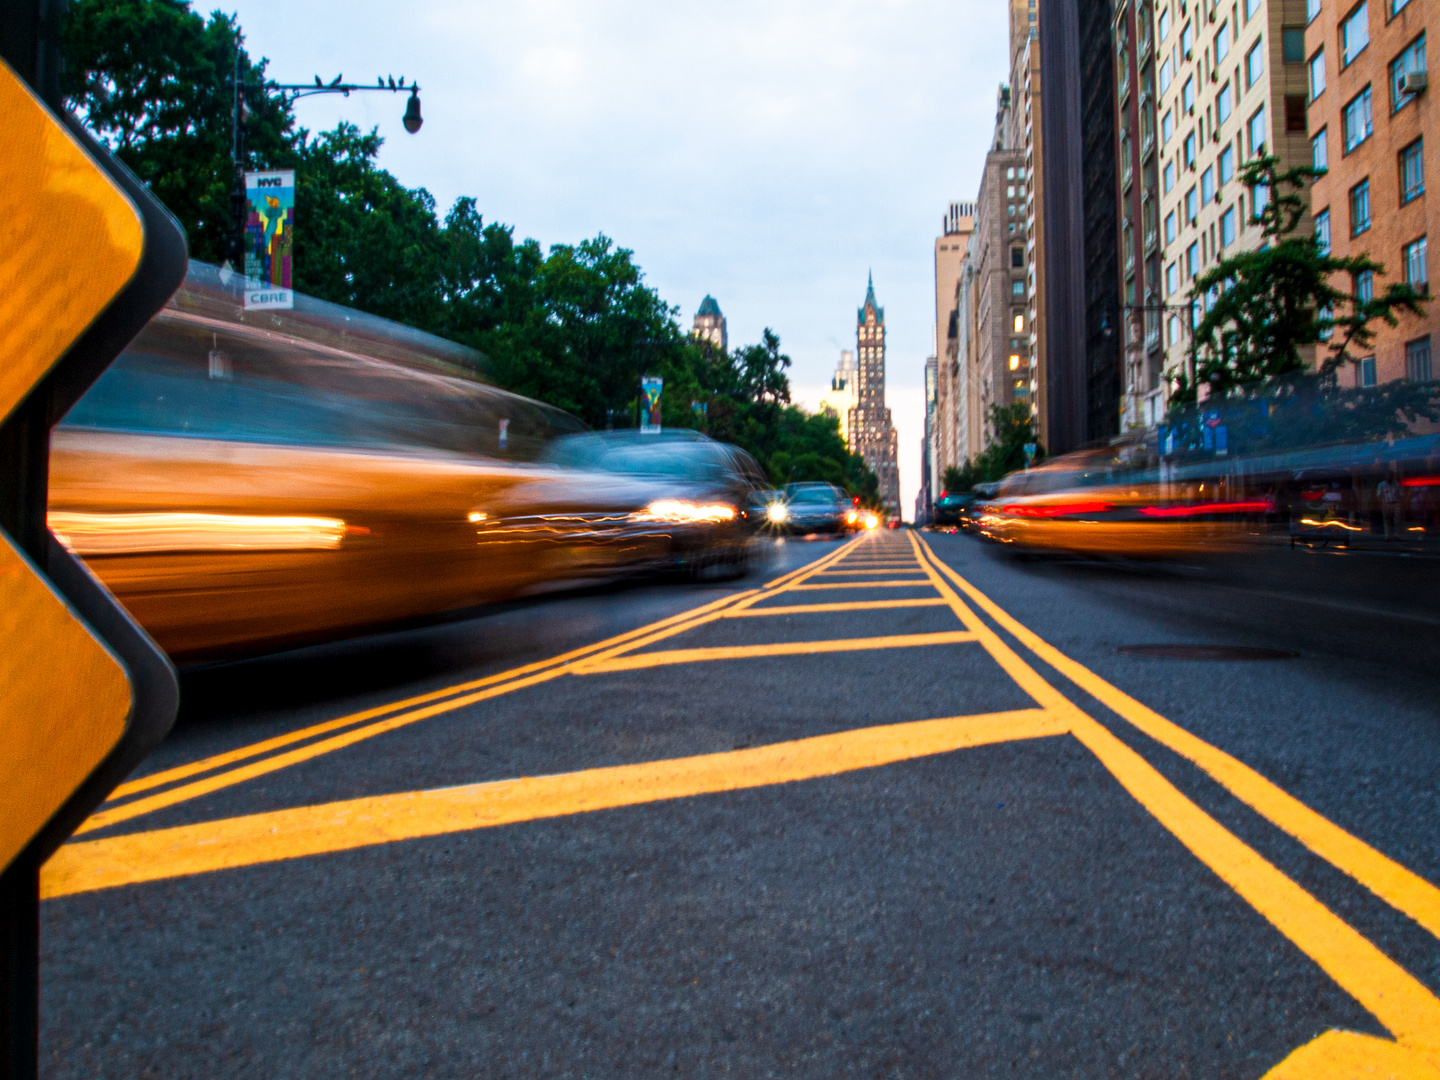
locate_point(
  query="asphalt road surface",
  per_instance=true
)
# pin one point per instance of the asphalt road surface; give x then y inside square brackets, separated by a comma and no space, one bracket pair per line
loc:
[896,806]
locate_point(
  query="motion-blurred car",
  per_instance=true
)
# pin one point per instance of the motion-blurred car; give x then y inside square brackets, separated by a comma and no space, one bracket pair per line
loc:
[246,481]
[817,507]
[1112,501]
[699,492]
[948,507]
[968,517]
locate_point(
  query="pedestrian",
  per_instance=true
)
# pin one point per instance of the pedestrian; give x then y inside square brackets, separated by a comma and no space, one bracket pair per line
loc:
[1387,492]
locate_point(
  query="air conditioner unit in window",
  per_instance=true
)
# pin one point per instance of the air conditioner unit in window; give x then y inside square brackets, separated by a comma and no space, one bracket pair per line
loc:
[1413,82]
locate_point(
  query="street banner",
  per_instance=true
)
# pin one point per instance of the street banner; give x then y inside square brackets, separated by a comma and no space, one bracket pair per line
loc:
[650,387]
[269,238]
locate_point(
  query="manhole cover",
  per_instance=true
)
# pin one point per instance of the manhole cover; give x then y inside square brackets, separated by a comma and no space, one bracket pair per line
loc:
[1204,652]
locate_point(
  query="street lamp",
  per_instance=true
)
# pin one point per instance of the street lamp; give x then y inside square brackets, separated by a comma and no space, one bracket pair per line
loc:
[293,92]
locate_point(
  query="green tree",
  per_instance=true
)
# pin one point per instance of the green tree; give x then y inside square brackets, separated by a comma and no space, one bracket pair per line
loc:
[153,81]
[1263,309]
[1011,428]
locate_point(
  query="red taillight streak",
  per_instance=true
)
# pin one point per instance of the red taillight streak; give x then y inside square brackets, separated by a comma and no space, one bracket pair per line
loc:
[1259,506]
[1057,509]
[1421,481]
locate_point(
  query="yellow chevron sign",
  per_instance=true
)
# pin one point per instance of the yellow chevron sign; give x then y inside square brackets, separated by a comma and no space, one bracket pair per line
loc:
[70,241]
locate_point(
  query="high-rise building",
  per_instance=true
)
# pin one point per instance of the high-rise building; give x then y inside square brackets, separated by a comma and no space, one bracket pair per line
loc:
[1231,85]
[873,433]
[1369,109]
[1080,313]
[1027,136]
[1139,237]
[841,398]
[710,324]
[989,341]
[950,248]
[929,460]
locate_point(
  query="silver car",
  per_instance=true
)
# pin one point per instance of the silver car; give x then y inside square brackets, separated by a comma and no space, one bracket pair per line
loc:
[815,507]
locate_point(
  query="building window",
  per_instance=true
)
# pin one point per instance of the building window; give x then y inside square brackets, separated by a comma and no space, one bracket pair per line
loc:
[1396,5]
[1417,360]
[1317,74]
[1019,321]
[1255,64]
[1365,286]
[1223,104]
[1412,171]
[1187,96]
[1257,132]
[1190,150]
[1167,75]
[1170,227]
[1172,279]
[1169,176]
[1207,186]
[1320,150]
[1227,165]
[1187,41]
[1017,257]
[1417,273]
[1412,59]
[1222,42]
[1295,119]
[1192,259]
[1251,7]
[1354,35]
[1357,120]
[1167,128]
[1292,44]
[1127,165]
[1192,207]
[1322,232]
[1017,288]
[1367,371]
[1164,26]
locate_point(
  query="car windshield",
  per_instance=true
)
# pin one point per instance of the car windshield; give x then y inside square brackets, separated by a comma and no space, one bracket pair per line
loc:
[812,495]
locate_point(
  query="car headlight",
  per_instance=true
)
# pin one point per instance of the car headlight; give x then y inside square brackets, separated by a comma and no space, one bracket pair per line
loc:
[871,521]
[681,512]
[777,512]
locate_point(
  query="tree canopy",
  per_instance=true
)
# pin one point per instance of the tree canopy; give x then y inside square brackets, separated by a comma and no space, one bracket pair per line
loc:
[1263,310]
[575,326]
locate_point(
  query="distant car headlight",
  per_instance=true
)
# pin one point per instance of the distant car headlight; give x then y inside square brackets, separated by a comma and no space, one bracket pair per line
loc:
[851,517]
[871,521]
[680,512]
[778,512]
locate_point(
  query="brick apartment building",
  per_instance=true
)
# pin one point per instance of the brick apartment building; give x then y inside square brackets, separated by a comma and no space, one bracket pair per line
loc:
[1368,118]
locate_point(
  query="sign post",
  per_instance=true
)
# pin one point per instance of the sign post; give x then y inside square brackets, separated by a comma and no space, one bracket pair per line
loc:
[650,388]
[269,238]
[87,256]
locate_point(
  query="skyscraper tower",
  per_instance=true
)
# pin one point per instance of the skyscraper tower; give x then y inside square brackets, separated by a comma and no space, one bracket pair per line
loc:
[710,324]
[871,429]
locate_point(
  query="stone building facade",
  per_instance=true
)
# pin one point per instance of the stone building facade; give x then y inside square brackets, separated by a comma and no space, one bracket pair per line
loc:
[873,432]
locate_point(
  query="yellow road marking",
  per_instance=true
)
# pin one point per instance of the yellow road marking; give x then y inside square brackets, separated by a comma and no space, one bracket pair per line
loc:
[1399,887]
[811,609]
[639,661]
[491,686]
[865,585]
[1399,1001]
[859,573]
[339,826]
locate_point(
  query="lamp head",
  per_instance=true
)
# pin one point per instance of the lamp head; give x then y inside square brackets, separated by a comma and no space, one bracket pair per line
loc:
[413,119]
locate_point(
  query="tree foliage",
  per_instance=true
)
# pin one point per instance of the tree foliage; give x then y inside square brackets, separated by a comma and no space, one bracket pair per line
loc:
[1264,309]
[575,326]
[1011,428]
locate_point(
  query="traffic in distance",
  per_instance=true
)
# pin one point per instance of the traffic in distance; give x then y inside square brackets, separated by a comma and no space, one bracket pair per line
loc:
[249,482]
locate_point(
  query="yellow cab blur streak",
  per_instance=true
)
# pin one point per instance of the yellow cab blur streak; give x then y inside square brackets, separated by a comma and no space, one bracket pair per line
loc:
[245,481]
[1113,501]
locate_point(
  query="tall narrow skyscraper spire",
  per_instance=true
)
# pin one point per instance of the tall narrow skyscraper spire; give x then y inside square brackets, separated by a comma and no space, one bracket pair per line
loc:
[872,432]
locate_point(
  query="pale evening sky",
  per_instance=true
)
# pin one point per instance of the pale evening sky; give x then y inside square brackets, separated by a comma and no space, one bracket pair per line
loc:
[769,153]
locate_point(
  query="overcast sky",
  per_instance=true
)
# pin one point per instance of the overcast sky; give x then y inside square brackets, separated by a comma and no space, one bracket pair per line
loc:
[770,153]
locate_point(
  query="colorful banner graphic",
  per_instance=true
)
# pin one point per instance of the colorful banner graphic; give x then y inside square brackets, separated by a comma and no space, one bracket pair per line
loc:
[650,387]
[269,238]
